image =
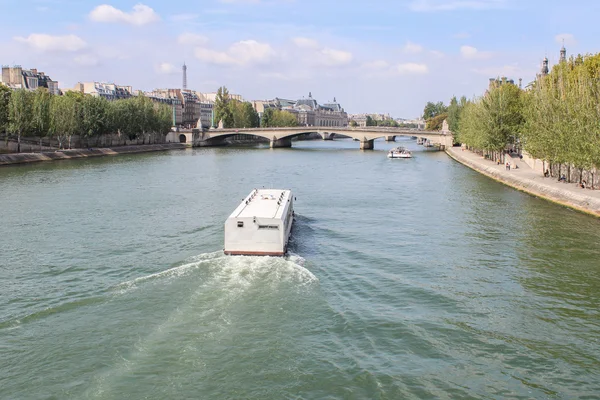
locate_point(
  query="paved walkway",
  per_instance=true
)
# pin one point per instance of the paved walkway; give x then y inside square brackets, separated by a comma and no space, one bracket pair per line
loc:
[527,180]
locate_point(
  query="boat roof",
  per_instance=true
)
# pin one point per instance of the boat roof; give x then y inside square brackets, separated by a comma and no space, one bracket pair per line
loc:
[263,203]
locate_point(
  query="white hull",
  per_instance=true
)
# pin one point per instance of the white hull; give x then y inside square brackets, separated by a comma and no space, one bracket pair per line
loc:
[399,152]
[261,224]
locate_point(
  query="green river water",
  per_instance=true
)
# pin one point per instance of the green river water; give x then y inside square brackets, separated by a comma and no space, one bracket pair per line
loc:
[408,279]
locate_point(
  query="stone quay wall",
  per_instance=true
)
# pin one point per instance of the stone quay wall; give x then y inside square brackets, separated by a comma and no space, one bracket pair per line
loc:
[531,181]
[24,158]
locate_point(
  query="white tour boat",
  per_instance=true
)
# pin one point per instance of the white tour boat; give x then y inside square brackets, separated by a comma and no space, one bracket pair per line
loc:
[261,224]
[399,152]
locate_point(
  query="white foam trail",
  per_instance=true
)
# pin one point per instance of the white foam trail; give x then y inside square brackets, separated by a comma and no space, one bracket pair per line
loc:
[240,269]
[229,278]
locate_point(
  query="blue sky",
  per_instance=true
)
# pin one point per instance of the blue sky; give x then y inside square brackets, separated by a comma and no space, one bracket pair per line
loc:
[376,56]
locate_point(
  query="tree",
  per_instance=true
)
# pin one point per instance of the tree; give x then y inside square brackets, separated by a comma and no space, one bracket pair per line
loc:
[562,114]
[433,109]
[454,111]
[94,121]
[164,118]
[20,109]
[370,121]
[244,115]
[144,111]
[65,117]
[252,115]
[267,117]
[353,123]
[435,123]
[278,119]
[222,109]
[41,112]
[4,102]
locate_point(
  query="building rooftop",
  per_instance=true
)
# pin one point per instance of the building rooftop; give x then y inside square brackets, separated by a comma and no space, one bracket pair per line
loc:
[263,203]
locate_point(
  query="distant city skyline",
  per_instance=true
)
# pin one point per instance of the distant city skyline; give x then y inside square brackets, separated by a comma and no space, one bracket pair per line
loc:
[390,57]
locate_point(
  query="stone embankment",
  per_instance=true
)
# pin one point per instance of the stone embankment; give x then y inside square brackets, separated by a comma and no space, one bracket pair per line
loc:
[23,158]
[525,179]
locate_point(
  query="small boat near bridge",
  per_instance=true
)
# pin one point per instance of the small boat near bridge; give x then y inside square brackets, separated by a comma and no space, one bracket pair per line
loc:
[399,152]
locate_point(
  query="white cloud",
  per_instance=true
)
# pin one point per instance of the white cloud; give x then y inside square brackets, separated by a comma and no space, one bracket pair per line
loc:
[451,5]
[411,68]
[305,43]
[332,57]
[192,39]
[567,38]
[412,48]
[86,60]
[141,15]
[44,42]
[242,53]
[214,57]
[166,69]
[436,53]
[316,54]
[471,53]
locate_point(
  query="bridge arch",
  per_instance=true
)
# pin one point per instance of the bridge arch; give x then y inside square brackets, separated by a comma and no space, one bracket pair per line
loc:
[282,137]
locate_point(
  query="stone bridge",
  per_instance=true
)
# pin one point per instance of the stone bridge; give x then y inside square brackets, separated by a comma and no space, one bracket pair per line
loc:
[282,137]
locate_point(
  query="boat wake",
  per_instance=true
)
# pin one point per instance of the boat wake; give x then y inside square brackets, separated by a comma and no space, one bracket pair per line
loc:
[241,270]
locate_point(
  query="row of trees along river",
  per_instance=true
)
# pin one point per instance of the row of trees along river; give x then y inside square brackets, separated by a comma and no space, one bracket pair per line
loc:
[41,114]
[555,119]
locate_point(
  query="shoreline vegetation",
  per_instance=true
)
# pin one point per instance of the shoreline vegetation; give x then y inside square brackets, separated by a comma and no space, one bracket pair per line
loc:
[554,119]
[57,118]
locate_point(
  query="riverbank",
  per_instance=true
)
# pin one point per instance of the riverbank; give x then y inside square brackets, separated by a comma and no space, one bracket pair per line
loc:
[24,158]
[525,179]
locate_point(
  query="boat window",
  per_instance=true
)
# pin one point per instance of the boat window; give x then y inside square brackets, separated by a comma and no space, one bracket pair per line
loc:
[268,227]
[240,224]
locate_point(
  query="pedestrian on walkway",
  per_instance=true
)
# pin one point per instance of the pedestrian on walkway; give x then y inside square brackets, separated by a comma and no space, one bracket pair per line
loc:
[507,166]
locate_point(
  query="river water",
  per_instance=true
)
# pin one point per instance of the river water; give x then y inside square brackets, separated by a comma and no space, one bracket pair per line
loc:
[408,279]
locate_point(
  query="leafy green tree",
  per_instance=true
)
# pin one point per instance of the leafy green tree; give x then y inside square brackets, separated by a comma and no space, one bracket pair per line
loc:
[244,114]
[353,123]
[562,113]
[433,109]
[4,102]
[252,115]
[164,118]
[278,119]
[435,123]
[41,112]
[471,125]
[20,109]
[146,120]
[388,123]
[454,110]
[94,121]
[267,117]
[65,118]
[222,109]
[370,121]
[286,119]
